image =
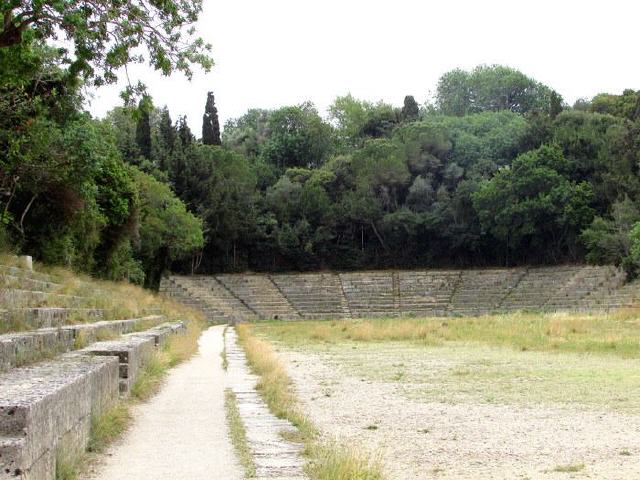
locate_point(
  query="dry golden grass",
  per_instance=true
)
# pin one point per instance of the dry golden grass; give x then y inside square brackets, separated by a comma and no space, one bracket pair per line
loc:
[118,300]
[616,333]
[326,460]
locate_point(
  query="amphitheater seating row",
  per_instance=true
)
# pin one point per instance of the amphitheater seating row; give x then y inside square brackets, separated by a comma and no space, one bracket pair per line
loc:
[61,365]
[403,293]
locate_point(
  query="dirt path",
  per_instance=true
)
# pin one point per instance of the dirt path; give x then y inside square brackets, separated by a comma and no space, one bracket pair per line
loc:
[181,433]
[471,440]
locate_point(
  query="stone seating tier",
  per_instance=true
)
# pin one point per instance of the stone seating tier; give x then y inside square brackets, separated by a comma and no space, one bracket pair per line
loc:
[415,293]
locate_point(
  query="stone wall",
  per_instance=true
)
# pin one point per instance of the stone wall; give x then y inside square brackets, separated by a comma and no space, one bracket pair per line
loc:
[388,293]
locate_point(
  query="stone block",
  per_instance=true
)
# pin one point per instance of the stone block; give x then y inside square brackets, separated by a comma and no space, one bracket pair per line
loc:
[46,410]
[132,353]
[18,349]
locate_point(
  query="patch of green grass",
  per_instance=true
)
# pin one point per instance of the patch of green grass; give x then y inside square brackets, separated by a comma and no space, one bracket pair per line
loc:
[238,434]
[326,460]
[109,426]
[66,470]
[151,377]
[574,467]
[580,361]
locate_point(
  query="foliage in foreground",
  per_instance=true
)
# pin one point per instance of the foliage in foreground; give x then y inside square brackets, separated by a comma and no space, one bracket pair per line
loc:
[326,460]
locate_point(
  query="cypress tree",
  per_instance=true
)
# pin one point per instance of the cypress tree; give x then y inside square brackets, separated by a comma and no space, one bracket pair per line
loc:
[410,110]
[210,124]
[167,140]
[143,127]
[184,132]
[167,130]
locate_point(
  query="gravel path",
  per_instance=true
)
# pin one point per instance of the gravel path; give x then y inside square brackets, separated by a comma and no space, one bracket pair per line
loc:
[181,433]
[433,440]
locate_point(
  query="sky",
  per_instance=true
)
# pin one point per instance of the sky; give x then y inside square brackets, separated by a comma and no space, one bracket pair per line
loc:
[283,52]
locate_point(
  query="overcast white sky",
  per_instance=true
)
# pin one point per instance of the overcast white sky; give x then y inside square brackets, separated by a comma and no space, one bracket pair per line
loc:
[283,52]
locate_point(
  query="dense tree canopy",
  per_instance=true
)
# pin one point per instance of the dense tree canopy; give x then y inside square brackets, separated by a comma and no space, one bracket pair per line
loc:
[71,188]
[498,172]
[493,88]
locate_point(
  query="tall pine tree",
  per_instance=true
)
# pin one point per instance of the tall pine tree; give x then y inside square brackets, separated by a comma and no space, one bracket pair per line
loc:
[210,124]
[178,171]
[167,137]
[143,127]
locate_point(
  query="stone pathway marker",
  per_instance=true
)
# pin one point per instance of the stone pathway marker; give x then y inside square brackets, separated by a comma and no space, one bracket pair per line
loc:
[181,433]
[274,457]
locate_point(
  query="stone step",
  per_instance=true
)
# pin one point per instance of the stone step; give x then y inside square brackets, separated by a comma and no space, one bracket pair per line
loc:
[23,273]
[46,411]
[161,333]
[426,292]
[17,349]
[26,283]
[19,298]
[132,352]
[45,317]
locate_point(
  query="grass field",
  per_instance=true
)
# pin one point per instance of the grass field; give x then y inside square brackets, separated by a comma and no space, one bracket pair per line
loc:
[522,395]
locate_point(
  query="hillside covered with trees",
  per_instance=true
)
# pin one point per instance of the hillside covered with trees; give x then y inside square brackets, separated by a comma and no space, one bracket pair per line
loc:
[496,170]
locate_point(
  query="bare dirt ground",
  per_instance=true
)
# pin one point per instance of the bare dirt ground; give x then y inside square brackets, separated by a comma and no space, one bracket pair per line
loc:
[474,412]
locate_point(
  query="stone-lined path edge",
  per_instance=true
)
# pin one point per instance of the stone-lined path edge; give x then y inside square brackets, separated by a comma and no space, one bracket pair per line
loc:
[273,456]
[181,433]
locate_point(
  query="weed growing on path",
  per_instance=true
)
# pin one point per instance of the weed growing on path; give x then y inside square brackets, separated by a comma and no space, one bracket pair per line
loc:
[223,353]
[326,460]
[238,434]
[576,467]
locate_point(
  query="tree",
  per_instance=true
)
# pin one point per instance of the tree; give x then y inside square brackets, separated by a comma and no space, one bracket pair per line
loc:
[143,127]
[210,124]
[221,189]
[600,149]
[410,110]
[530,207]
[493,88]
[626,105]
[123,122]
[109,35]
[357,120]
[607,238]
[298,137]
[167,231]
[247,134]
[185,136]
[166,140]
